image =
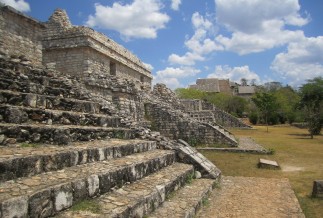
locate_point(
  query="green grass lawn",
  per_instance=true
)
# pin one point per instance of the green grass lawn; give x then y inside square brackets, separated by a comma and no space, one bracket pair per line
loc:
[300,157]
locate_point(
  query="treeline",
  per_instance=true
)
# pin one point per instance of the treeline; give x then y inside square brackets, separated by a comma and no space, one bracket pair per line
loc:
[272,103]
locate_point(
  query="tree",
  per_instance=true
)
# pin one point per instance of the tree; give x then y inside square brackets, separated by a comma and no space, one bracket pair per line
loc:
[190,93]
[266,103]
[311,95]
[244,82]
[287,99]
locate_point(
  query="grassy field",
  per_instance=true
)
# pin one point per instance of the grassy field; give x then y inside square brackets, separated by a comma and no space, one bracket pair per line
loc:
[300,157]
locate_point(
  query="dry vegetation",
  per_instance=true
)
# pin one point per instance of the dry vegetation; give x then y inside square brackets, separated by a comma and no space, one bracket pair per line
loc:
[300,157]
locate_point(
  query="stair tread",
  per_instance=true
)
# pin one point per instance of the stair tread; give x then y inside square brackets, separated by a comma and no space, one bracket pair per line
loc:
[50,96]
[29,185]
[186,201]
[7,153]
[45,158]
[59,111]
[63,127]
[137,194]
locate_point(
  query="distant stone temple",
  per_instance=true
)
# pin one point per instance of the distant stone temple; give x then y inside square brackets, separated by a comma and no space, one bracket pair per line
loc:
[76,50]
[223,86]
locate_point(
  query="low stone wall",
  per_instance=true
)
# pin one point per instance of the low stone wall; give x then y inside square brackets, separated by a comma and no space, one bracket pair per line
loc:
[20,35]
[207,112]
[177,125]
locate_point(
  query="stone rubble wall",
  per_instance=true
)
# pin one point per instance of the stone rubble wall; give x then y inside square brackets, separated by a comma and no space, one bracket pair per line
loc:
[177,125]
[20,35]
[207,112]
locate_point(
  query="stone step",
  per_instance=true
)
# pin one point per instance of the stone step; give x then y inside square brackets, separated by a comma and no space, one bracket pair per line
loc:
[48,193]
[43,87]
[16,162]
[50,102]
[139,198]
[186,201]
[58,134]
[20,114]
[38,81]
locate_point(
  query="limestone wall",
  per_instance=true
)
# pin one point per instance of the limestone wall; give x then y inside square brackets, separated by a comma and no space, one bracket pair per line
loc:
[102,52]
[20,35]
[175,125]
[207,112]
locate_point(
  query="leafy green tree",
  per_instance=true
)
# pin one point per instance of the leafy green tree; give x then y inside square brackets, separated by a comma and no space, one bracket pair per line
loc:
[287,99]
[190,93]
[311,102]
[266,103]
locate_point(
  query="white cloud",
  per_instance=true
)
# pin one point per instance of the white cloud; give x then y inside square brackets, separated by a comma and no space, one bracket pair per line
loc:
[302,61]
[175,4]
[257,25]
[188,59]
[234,74]
[170,75]
[200,44]
[141,19]
[19,5]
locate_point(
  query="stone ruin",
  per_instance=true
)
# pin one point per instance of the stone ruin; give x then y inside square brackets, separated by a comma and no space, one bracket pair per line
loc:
[78,120]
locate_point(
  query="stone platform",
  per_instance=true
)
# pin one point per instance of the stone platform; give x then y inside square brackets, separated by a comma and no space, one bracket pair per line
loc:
[252,197]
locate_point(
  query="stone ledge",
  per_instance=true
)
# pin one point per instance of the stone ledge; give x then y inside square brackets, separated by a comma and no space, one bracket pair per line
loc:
[142,197]
[23,162]
[49,193]
[61,135]
[20,114]
[187,201]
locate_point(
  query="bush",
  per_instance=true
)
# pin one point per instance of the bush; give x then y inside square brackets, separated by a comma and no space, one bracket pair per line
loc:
[253,118]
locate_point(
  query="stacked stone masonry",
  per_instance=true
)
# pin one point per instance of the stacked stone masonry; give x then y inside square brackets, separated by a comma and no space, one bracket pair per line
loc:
[207,112]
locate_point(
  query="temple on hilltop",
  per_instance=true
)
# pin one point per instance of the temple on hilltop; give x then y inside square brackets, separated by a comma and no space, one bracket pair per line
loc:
[76,50]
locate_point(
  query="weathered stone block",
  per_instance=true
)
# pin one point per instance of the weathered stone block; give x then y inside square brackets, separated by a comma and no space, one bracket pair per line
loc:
[15,207]
[63,197]
[93,185]
[269,164]
[41,204]
[80,191]
[317,189]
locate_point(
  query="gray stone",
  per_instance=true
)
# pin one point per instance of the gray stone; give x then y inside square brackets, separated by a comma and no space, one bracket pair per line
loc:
[41,204]
[317,189]
[15,115]
[15,207]
[269,164]
[197,174]
[63,197]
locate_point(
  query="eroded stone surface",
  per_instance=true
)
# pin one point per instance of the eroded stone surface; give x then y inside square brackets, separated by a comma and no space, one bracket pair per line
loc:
[141,197]
[109,174]
[186,201]
[252,197]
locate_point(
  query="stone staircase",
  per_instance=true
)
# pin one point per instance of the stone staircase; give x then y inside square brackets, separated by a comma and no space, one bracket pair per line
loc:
[61,148]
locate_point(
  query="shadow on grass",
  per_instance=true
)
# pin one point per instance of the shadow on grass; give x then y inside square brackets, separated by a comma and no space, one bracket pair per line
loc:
[302,136]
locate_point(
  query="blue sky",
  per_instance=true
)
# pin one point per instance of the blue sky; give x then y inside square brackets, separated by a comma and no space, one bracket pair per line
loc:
[183,40]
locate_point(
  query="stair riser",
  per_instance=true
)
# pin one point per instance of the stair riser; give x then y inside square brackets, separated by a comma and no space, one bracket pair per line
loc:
[62,136]
[38,88]
[33,165]
[49,102]
[27,115]
[49,201]
[153,200]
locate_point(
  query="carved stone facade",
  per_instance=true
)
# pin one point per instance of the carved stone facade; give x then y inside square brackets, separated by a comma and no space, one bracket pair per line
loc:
[75,50]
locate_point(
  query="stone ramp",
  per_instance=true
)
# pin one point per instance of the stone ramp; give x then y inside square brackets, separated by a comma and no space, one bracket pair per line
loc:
[47,194]
[16,162]
[187,201]
[252,197]
[141,197]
